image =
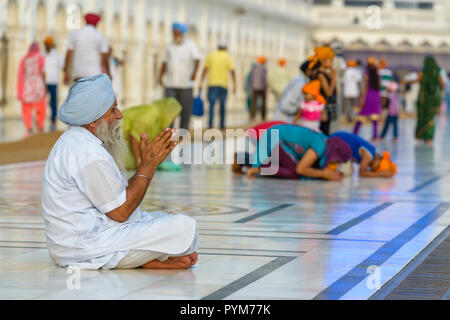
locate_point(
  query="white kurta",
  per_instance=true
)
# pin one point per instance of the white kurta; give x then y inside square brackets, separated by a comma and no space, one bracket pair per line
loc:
[81,184]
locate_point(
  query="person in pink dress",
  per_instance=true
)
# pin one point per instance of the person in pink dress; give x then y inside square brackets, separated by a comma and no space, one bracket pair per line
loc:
[311,110]
[31,89]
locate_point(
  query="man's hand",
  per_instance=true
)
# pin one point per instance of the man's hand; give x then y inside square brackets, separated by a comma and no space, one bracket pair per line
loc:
[159,148]
[193,77]
[334,175]
[161,82]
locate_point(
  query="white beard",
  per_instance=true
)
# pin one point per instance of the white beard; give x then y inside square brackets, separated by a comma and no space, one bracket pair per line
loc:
[113,142]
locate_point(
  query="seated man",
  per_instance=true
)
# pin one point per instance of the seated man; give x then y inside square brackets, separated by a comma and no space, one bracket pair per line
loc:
[92,213]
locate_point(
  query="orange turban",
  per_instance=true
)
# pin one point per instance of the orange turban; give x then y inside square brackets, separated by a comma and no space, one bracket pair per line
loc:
[313,88]
[324,53]
[48,41]
[383,63]
[261,59]
[352,63]
[387,164]
[281,62]
[372,61]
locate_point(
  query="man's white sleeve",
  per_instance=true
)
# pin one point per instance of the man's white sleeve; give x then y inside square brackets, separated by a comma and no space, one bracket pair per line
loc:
[103,45]
[71,41]
[99,182]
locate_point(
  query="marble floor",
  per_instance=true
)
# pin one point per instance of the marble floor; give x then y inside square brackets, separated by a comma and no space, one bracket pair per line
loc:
[259,239]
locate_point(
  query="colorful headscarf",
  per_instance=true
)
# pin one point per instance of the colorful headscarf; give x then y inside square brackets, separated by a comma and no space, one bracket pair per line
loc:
[183,28]
[92,18]
[352,63]
[372,61]
[261,59]
[49,41]
[337,150]
[324,52]
[88,100]
[313,88]
[386,164]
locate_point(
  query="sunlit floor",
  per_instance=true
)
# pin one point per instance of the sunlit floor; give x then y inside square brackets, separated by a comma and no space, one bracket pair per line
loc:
[260,239]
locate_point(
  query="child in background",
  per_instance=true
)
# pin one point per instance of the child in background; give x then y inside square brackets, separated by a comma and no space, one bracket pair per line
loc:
[311,110]
[392,117]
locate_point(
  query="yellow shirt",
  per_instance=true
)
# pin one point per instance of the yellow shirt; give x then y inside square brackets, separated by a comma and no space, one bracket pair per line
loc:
[219,64]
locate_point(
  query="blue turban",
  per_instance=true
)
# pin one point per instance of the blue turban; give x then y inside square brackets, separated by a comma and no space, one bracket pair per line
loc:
[180,27]
[88,99]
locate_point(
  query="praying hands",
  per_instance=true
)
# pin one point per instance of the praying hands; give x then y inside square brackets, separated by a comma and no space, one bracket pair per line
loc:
[155,152]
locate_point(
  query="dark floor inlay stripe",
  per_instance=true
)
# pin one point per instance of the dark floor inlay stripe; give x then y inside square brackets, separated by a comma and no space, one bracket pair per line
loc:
[264,212]
[425,184]
[341,286]
[359,219]
[248,279]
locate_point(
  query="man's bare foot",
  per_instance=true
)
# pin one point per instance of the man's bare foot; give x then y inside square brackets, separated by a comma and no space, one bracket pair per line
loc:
[183,262]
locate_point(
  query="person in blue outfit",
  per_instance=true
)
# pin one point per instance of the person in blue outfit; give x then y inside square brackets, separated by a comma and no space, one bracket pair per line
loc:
[302,152]
[365,154]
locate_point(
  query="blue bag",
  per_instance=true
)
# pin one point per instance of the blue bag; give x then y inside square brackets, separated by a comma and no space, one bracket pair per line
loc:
[197,110]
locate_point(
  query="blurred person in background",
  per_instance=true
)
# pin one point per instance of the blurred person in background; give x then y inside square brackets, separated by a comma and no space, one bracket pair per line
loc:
[150,119]
[180,63]
[370,101]
[54,63]
[386,76]
[218,65]
[429,99]
[279,78]
[258,84]
[444,106]
[327,76]
[352,88]
[87,51]
[31,89]
[248,88]
[411,92]
[291,97]
[393,110]
[311,109]
[447,94]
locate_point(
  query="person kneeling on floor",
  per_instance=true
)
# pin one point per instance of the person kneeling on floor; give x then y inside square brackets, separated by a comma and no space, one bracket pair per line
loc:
[371,163]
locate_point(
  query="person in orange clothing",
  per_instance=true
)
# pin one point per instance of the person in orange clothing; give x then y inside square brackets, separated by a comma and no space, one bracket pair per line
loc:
[31,89]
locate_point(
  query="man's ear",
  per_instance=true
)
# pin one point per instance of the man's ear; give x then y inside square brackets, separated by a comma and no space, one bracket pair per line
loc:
[94,123]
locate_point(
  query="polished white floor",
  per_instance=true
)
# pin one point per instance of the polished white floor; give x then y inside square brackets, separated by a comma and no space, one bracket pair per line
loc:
[260,239]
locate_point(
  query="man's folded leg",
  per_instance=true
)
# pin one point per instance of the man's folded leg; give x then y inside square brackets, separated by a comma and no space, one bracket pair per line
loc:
[144,258]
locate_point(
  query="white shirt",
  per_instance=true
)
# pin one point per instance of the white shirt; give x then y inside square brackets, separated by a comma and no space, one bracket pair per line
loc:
[87,44]
[54,62]
[180,64]
[352,78]
[82,183]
